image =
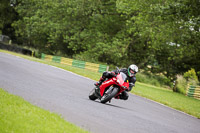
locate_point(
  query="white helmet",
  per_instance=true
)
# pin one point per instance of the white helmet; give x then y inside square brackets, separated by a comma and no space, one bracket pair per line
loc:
[132,70]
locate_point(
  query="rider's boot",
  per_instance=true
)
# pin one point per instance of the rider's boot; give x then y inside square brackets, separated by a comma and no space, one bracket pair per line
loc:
[99,82]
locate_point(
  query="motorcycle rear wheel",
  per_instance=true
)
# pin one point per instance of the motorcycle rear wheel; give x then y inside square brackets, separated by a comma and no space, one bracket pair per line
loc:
[109,95]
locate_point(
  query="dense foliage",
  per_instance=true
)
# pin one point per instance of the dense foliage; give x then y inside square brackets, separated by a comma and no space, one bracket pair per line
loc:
[7,16]
[163,34]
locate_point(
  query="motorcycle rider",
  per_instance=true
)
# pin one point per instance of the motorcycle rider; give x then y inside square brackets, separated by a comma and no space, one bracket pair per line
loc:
[130,72]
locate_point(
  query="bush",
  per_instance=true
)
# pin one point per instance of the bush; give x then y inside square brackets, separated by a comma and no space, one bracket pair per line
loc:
[181,84]
[157,80]
[191,75]
[189,78]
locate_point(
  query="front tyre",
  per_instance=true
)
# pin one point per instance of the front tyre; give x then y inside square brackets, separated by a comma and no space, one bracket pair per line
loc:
[109,95]
[92,95]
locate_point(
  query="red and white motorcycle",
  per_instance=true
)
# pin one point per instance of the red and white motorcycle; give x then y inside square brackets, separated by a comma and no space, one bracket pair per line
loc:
[110,88]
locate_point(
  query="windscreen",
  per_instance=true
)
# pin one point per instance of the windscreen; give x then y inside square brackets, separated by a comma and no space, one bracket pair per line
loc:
[124,77]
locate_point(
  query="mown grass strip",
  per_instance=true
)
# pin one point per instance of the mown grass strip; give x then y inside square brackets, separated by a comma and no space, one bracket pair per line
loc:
[161,95]
[19,116]
[169,98]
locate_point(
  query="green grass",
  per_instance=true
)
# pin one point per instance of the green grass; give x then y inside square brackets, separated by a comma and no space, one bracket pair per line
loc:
[161,95]
[167,97]
[19,116]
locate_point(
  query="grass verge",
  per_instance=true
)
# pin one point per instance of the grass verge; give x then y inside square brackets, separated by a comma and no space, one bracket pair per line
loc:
[161,95]
[169,98]
[19,116]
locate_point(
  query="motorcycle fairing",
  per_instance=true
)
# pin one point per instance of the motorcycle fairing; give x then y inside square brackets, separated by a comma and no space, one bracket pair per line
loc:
[119,80]
[106,84]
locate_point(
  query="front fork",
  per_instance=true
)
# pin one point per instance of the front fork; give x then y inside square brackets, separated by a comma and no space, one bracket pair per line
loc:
[97,91]
[109,89]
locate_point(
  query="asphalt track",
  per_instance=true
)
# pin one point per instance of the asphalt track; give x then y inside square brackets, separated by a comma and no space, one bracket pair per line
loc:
[66,93]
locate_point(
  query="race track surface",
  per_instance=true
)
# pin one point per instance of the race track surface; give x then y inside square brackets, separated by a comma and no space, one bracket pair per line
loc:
[66,93]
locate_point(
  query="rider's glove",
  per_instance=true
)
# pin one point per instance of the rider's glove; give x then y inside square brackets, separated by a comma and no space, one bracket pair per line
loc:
[126,89]
[113,74]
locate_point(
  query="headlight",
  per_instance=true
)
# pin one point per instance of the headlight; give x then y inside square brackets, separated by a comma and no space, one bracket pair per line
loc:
[118,81]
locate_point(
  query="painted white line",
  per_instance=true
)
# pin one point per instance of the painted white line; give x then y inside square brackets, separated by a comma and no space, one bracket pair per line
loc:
[71,72]
[164,105]
[49,65]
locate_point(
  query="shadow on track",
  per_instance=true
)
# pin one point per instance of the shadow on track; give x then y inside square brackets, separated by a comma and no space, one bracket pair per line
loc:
[112,105]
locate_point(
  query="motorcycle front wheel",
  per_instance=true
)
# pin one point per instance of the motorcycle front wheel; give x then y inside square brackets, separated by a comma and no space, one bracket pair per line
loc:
[109,94]
[92,95]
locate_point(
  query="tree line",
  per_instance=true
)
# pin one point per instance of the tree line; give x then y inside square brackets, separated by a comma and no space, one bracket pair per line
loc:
[163,34]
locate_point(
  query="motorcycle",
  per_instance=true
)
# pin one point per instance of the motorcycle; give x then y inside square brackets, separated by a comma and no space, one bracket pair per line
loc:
[110,88]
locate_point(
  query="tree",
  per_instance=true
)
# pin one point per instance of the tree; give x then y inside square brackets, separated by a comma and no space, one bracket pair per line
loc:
[163,30]
[163,34]
[7,16]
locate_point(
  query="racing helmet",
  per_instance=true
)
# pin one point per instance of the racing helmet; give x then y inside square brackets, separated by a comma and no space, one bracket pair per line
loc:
[132,70]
